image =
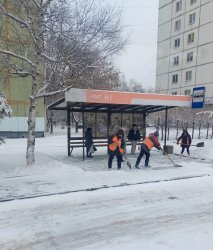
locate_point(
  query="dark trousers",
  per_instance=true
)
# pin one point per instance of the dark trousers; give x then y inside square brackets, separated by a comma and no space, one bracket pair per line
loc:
[183,149]
[119,159]
[88,149]
[142,152]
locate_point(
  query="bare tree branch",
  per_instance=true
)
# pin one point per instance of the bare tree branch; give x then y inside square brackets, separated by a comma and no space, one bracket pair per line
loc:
[50,59]
[22,22]
[9,53]
[37,4]
[54,92]
[46,4]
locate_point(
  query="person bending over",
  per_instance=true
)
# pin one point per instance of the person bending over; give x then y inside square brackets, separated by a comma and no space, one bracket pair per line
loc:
[115,148]
[148,143]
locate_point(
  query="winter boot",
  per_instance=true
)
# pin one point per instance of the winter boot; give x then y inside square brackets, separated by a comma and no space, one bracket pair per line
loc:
[147,164]
[136,166]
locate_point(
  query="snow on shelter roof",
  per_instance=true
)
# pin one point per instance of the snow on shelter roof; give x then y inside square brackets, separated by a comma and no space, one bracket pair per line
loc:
[103,100]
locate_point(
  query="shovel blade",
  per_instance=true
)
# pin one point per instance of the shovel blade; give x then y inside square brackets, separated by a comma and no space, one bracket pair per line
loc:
[200,144]
[178,165]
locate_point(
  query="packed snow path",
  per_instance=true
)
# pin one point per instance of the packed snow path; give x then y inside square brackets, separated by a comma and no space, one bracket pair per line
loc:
[165,215]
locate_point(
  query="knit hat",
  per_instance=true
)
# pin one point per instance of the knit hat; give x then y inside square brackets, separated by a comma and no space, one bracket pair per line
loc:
[156,133]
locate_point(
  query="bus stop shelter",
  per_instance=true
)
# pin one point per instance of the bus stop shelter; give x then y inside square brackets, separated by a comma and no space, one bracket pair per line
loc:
[101,109]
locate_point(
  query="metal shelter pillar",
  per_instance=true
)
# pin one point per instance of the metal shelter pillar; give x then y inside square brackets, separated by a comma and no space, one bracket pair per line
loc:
[166,117]
[83,134]
[68,131]
[144,125]
[108,123]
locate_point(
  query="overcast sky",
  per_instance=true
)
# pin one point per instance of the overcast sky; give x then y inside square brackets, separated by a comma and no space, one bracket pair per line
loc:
[138,61]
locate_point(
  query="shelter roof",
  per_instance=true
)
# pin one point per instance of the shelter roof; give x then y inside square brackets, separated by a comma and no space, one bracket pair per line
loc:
[89,100]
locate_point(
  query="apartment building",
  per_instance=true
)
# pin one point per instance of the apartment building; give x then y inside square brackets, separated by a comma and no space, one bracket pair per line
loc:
[185,47]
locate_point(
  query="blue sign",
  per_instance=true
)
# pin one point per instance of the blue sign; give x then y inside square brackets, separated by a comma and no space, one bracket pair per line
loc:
[198,97]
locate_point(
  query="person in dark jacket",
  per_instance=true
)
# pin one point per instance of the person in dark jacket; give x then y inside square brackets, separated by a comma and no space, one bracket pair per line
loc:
[148,143]
[115,148]
[134,136]
[88,141]
[185,142]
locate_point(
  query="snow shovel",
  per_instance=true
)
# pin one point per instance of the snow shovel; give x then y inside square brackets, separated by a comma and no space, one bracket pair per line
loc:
[175,164]
[127,161]
[198,145]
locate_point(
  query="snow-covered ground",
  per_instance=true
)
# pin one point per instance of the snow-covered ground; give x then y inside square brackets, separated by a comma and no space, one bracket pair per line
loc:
[65,203]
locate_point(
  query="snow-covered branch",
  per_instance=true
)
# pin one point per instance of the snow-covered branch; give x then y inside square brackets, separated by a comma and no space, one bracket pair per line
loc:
[50,59]
[37,4]
[62,90]
[10,53]
[23,23]
[46,3]
[208,113]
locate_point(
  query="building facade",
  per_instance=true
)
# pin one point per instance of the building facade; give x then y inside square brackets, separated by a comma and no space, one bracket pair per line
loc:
[185,47]
[16,89]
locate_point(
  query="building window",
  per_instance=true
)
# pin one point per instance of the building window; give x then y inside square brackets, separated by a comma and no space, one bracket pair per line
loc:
[188,75]
[174,93]
[193,2]
[187,92]
[192,18]
[175,78]
[189,57]
[177,42]
[176,60]
[178,6]
[191,38]
[177,24]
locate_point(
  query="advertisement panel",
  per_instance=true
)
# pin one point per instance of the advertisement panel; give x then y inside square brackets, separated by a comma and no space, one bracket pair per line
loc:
[127,120]
[115,120]
[138,120]
[101,125]
[89,121]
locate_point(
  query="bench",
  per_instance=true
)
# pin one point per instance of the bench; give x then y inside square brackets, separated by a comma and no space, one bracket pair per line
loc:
[77,142]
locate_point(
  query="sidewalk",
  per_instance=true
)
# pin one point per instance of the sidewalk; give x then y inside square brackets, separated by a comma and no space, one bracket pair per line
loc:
[54,172]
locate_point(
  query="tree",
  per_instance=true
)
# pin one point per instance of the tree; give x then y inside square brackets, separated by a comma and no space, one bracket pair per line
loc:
[5,111]
[131,86]
[56,41]
[205,117]
[135,86]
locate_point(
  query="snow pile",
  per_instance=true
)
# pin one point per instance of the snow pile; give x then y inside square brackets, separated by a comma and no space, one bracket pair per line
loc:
[5,109]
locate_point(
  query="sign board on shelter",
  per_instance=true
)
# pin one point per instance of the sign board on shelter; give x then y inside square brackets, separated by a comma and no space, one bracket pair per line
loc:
[126,98]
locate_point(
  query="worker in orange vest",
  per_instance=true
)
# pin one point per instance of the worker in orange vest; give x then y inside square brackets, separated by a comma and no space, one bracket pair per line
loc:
[148,143]
[116,148]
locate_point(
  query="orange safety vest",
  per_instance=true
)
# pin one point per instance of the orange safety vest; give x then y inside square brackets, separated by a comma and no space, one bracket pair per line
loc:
[116,143]
[148,143]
